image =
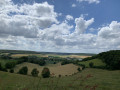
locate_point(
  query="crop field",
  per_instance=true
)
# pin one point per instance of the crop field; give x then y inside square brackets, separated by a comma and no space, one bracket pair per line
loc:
[88,79]
[57,69]
[54,55]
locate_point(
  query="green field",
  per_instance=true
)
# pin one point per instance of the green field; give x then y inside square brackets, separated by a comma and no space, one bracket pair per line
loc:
[85,80]
[97,62]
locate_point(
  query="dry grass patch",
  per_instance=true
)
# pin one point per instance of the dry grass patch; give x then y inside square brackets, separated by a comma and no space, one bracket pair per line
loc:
[57,69]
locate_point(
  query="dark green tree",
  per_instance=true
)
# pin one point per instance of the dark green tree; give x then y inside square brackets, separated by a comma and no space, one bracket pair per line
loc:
[35,72]
[45,72]
[23,70]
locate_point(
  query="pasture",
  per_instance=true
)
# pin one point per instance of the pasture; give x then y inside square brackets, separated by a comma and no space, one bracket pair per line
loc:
[57,69]
[97,62]
[88,79]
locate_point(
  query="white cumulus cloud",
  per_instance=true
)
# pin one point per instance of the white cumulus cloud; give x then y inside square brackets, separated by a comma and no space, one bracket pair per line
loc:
[90,1]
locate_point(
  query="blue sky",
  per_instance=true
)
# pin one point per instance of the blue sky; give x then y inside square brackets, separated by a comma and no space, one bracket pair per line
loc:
[82,26]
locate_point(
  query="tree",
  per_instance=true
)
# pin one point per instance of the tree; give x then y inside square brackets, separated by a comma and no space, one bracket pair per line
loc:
[23,70]
[45,72]
[91,64]
[35,72]
[10,65]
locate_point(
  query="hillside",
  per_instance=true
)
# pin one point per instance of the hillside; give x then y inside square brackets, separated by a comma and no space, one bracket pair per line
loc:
[87,79]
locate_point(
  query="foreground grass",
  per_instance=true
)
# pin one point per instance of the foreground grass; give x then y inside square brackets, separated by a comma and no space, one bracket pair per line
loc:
[97,62]
[85,80]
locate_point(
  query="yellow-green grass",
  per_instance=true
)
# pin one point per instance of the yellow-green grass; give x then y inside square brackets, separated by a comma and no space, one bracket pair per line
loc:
[97,62]
[57,69]
[54,55]
[85,80]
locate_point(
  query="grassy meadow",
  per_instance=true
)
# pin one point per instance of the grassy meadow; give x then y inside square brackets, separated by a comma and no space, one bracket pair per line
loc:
[57,69]
[88,79]
[97,62]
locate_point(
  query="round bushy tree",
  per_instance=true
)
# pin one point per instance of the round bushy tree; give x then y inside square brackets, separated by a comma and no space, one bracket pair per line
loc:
[45,72]
[23,70]
[35,72]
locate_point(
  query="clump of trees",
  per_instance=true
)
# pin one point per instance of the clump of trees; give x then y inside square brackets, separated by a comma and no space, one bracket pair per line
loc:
[32,59]
[23,70]
[10,65]
[45,72]
[111,58]
[65,62]
[35,72]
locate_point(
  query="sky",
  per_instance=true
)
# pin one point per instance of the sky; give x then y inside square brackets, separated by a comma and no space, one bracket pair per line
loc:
[72,26]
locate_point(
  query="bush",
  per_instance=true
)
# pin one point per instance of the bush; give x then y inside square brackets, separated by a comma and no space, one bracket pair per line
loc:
[35,72]
[45,72]
[23,70]
[83,66]
[79,69]
[91,64]
[11,71]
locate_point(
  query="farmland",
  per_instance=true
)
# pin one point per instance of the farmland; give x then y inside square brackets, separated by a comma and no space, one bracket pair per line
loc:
[64,73]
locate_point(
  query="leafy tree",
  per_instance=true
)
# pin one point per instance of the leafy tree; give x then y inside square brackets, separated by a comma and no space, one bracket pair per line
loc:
[35,72]
[23,70]
[45,72]
[91,64]
[10,65]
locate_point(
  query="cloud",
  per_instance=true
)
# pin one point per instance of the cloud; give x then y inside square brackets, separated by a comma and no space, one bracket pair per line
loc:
[73,5]
[25,20]
[69,17]
[112,31]
[35,27]
[82,24]
[90,1]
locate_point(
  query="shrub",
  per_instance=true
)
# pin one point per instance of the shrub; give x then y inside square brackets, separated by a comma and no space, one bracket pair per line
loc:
[91,64]
[11,70]
[59,75]
[83,66]
[79,69]
[45,72]
[35,72]
[23,70]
